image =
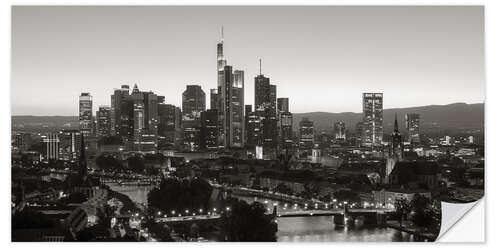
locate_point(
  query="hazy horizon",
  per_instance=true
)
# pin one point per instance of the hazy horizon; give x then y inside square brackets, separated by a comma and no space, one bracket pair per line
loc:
[322,58]
[317,111]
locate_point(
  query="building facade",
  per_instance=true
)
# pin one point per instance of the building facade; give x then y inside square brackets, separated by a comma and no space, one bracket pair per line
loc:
[373,119]
[52,146]
[85,114]
[306,134]
[339,130]
[193,103]
[104,121]
[413,128]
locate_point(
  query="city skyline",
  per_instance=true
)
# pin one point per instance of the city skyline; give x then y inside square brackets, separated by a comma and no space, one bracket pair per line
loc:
[243,49]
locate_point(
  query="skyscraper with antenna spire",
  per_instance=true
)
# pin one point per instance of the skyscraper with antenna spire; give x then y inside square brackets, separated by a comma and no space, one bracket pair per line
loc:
[265,108]
[230,101]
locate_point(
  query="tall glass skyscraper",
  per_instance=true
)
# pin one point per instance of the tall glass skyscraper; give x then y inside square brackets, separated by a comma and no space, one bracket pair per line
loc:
[265,108]
[373,119]
[85,114]
[230,102]
[413,127]
[104,121]
[193,103]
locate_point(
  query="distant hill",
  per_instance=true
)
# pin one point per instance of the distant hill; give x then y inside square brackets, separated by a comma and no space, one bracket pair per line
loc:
[454,116]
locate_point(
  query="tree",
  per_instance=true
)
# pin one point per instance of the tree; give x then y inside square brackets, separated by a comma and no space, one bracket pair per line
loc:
[29,219]
[284,189]
[346,195]
[159,231]
[108,162]
[136,164]
[174,194]
[423,215]
[403,208]
[76,197]
[246,222]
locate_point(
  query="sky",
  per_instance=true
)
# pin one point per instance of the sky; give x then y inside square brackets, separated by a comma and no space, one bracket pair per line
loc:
[323,58]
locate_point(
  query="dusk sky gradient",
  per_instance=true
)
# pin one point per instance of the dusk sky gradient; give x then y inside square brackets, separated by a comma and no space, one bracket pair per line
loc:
[322,58]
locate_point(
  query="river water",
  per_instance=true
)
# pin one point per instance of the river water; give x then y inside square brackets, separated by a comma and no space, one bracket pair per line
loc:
[300,229]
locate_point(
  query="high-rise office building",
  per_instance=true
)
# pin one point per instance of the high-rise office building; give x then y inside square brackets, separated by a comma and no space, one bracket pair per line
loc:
[285,125]
[306,134]
[373,119]
[285,132]
[22,141]
[413,128]
[104,121]
[248,111]
[283,105]
[139,112]
[229,102]
[52,146]
[169,126]
[214,97]
[122,113]
[254,131]
[85,114]
[69,145]
[145,119]
[209,129]
[265,107]
[193,103]
[339,130]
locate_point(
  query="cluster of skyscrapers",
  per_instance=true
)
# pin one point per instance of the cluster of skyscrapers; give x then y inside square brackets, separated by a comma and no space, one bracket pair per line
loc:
[143,121]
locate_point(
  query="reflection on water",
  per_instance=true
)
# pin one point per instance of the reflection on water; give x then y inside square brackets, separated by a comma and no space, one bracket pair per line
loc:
[321,229]
[137,194]
[298,229]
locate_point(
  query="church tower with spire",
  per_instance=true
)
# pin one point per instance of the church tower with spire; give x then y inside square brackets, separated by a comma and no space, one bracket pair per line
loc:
[397,141]
[395,150]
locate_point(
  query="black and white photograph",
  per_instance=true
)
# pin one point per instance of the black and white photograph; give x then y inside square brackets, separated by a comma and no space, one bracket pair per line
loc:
[244,123]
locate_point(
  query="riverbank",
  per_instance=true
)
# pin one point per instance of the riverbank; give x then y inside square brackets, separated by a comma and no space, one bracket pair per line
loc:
[420,233]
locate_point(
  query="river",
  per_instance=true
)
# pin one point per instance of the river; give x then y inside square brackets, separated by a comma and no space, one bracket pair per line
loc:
[294,229]
[300,229]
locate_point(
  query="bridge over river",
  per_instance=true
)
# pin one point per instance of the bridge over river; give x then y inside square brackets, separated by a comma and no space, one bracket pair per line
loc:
[340,216]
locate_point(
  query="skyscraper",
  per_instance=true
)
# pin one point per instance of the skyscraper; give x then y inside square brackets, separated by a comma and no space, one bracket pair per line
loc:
[193,103]
[122,113]
[306,133]
[339,130]
[413,128]
[214,97]
[169,123]
[229,102]
[285,125]
[85,114]
[283,105]
[104,121]
[265,107]
[69,144]
[209,129]
[373,118]
[285,132]
[52,146]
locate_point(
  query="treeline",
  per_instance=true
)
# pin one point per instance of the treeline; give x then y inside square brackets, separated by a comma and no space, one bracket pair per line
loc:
[180,194]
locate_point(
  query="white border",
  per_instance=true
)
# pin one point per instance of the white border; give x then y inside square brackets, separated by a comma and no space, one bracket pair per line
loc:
[467,228]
